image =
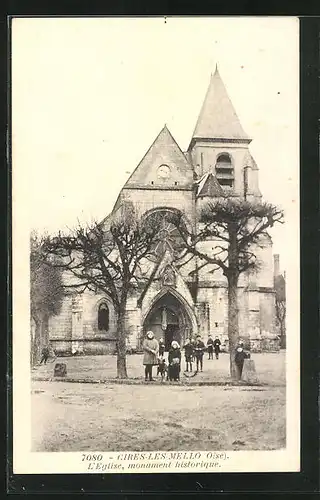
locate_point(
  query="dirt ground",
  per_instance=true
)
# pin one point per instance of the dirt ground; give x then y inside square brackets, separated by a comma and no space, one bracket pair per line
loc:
[270,368]
[108,417]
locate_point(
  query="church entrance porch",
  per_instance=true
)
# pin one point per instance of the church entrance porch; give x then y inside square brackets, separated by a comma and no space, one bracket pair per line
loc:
[171,333]
[169,320]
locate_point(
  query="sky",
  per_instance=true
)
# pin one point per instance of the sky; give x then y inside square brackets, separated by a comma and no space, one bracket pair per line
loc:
[90,95]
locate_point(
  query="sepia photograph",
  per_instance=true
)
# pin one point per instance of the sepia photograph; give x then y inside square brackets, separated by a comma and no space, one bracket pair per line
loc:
[155,173]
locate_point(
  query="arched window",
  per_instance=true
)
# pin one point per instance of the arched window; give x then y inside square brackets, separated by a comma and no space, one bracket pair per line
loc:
[103,317]
[224,171]
[224,158]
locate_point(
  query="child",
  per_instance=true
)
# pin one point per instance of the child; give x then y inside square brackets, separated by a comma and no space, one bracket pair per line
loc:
[188,353]
[174,361]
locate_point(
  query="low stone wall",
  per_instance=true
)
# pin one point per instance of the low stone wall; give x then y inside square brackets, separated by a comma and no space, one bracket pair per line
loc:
[83,347]
[92,347]
[258,345]
[99,347]
[61,347]
[264,345]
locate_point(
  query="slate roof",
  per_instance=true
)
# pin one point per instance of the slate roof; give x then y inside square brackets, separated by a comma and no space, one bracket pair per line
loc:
[218,118]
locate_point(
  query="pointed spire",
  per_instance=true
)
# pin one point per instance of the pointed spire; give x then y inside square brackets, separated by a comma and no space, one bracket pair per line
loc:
[218,118]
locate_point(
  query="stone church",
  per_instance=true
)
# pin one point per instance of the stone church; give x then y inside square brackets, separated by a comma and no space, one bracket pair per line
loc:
[181,300]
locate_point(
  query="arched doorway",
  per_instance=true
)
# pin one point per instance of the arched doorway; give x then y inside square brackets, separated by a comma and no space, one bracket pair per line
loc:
[168,319]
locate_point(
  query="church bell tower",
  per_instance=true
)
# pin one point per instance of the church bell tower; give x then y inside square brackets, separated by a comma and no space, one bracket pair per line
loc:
[220,145]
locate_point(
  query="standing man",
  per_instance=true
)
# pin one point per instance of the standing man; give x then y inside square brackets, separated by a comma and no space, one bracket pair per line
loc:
[199,351]
[210,347]
[240,356]
[216,346]
[193,343]
[151,352]
[45,353]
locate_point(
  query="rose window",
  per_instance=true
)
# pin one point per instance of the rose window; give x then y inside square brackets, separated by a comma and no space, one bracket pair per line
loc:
[168,238]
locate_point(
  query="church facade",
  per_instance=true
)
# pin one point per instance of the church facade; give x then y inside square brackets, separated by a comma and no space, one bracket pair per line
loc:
[180,299]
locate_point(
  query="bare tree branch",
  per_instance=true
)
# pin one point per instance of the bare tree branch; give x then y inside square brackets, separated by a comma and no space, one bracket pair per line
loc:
[107,258]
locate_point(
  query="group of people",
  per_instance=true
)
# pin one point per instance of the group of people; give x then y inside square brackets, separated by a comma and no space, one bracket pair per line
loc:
[194,350]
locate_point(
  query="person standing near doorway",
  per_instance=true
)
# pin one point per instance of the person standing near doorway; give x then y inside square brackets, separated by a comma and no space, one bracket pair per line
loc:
[151,353]
[162,348]
[174,359]
[216,346]
[199,352]
[210,347]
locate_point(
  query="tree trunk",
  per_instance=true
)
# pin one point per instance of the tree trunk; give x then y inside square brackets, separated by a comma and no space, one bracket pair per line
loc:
[44,331]
[233,276]
[121,343]
[41,337]
[233,325]
[36,343]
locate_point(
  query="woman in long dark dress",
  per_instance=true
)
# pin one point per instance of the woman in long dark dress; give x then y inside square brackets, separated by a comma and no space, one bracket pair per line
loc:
[174,359]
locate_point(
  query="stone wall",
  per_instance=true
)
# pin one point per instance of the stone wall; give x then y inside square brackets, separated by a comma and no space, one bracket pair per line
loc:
[148,199]
[267,313]
[91,304]
[60,326]
[75,329]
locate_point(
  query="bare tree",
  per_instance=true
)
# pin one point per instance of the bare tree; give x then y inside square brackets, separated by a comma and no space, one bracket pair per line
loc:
[235,226]
[46,294]
[108,257]
[280,289]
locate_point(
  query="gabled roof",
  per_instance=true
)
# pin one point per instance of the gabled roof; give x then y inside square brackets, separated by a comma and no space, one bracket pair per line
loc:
[164,150]
[209,186]
[218,118]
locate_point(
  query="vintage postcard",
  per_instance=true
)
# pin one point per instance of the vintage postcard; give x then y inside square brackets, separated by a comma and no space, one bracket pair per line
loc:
[156,300]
